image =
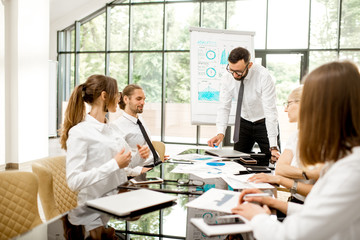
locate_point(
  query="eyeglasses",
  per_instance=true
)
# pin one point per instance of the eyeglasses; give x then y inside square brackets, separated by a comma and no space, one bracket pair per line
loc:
[186,182]
[288,103]
[237,72]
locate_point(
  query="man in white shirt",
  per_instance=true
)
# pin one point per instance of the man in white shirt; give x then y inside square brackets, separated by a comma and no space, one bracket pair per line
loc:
[132,101]
[257,117]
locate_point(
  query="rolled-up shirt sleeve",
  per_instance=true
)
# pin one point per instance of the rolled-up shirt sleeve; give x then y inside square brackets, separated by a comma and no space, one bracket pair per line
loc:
[224,107]
[270,111]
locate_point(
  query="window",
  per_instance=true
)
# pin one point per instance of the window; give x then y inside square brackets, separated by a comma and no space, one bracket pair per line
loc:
[148,43]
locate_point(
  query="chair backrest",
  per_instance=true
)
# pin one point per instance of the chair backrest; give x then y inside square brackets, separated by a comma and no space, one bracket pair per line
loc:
[160,148]
[55,195]
[18,203]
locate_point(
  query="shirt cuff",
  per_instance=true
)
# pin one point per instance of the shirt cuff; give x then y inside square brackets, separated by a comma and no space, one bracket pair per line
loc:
[133,172]
[221,130]
[149,160]
[112,164]
[257,224]
[273,141]
[293,208]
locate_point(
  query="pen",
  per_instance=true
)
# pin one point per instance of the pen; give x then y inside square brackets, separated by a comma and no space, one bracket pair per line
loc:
[257,195]
[163,190]
[179,162]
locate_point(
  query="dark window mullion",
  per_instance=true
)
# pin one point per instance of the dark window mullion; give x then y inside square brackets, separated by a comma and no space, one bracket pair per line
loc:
[77,50]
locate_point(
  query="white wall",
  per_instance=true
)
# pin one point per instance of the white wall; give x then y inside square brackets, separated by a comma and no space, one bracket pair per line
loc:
[26,79]
[2,83]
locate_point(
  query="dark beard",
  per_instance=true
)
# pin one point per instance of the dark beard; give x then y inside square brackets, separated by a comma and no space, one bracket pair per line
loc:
[242,77]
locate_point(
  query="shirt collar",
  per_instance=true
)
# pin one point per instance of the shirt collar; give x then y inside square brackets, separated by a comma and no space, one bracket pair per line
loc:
[130,118]
[98,125]
[248,76]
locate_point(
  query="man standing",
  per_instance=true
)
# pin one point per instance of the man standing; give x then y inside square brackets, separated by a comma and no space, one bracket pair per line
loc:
[256,113]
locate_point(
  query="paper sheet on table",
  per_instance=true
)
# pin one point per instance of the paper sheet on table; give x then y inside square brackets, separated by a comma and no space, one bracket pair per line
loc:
[204,171]
[216,200]
[193,157]
[241,182]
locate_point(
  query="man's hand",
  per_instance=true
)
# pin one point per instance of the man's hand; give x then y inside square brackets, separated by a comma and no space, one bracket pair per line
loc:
[215,141]
[144,151]
[275,154]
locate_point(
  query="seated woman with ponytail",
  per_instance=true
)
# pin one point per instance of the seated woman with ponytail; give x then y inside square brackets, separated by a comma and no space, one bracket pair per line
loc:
[96,157]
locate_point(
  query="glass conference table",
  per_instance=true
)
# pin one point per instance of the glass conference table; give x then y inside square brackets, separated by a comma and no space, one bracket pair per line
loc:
[172,222]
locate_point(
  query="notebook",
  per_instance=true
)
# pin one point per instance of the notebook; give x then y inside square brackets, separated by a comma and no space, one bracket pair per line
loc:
[226,153]
[132,202]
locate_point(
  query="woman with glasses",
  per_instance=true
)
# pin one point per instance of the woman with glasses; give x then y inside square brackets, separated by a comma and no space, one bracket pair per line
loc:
[289,172]
[329,133]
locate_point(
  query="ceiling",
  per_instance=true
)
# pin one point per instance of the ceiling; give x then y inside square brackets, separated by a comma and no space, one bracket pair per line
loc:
[61,8]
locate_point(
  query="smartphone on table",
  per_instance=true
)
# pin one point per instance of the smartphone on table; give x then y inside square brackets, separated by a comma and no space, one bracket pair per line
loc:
[147,180]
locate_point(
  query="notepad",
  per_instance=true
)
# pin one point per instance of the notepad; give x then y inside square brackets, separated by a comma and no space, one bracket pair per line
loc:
[127,203]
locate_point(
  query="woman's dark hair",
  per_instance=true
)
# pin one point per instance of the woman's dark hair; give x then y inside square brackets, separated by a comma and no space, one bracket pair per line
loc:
[87,92]
[329,121]
[128,91]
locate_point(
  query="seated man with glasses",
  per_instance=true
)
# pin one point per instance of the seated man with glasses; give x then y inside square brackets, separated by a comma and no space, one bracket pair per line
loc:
[256,114]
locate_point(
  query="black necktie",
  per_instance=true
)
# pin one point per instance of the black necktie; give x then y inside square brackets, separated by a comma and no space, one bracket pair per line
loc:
[147,139]
[238,112]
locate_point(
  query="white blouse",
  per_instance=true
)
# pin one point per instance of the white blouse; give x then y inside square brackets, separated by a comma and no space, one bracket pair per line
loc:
[295,162]
[331,210]
[90,165]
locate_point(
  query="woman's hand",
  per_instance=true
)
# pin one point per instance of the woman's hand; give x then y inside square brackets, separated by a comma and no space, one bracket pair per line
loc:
[144,151]
[268,201]
[123,159]
[145,169]
[250,210]
[265,178]
[247,209]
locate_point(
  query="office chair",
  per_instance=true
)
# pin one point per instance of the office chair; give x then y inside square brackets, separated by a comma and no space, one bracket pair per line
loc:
[55,195]
[159,148]
[18,203]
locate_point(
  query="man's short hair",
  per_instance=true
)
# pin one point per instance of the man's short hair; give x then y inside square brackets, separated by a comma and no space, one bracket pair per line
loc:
[238,54]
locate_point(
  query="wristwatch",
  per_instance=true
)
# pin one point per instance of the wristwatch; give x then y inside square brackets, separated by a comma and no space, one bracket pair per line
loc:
[304,175]
[274,148]
[293,189]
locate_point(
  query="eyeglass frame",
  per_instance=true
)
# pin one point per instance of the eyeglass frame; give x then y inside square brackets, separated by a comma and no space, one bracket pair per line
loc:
[288,103]
[186,182]
[237,72]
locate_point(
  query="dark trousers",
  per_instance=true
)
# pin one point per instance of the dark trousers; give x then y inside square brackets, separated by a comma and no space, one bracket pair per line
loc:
[251,132]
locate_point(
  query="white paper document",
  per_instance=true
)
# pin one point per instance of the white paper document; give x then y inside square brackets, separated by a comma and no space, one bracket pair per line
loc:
[214,170]
[241,182]
[193,157]
[216,200]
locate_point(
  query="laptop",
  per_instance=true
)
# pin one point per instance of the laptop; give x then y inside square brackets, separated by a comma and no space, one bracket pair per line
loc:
[226,153]
[131,203]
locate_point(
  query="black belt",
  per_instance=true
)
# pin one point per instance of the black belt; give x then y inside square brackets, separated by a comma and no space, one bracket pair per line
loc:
[261,121]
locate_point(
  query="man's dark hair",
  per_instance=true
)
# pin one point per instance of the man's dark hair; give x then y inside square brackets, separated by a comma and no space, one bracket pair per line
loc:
[238,54]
